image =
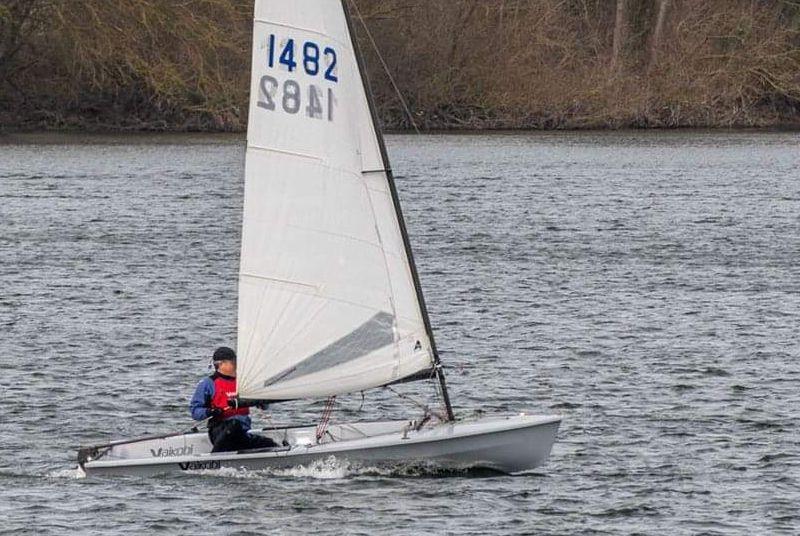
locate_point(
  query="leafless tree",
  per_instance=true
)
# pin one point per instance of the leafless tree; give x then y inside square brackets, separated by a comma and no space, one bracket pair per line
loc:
[621,31]
[658,31]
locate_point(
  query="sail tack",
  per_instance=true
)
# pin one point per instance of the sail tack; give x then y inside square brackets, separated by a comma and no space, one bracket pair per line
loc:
[327,302]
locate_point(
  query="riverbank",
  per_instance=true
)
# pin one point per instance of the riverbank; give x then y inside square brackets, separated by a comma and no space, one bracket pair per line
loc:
[142,137]
[78,126]
[459,65]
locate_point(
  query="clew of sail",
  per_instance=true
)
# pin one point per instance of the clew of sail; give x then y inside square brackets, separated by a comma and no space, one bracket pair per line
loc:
[327,301]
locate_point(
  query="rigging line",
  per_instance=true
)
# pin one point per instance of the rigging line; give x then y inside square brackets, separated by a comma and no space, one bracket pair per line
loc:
[196,426]
[385,67]
[108,446]
[268,415]
[322,427]
[425,408]
[438,394]
[395,331]
[398,212]
[275,428]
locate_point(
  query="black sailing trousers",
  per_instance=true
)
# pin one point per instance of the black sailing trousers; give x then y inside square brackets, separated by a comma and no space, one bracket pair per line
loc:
[230,435]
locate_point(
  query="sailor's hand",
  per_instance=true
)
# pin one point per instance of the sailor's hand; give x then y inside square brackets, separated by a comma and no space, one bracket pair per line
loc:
[262,406]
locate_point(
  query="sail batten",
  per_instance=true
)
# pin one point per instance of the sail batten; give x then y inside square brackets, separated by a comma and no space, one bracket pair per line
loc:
[297,28]
[327,297]
[273,149]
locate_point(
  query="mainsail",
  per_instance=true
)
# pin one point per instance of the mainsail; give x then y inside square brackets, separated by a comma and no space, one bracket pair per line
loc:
[327,297]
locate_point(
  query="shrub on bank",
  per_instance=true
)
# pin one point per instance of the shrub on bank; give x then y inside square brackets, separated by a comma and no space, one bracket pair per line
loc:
[158,64]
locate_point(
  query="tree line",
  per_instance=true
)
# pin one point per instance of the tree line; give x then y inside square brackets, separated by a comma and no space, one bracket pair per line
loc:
[184,64]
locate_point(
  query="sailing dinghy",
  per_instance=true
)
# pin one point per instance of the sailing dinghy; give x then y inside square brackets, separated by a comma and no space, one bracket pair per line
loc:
[329,297]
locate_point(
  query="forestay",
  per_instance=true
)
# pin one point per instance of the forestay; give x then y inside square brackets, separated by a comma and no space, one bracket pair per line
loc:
[327,302]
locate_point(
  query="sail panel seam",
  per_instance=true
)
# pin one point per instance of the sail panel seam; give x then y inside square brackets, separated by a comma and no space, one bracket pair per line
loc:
[317,383]
[393,253]
[356,174]
[300,29]
[283,151]
[287,282]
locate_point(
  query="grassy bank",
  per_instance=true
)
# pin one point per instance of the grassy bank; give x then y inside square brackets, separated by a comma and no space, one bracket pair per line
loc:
[460,64]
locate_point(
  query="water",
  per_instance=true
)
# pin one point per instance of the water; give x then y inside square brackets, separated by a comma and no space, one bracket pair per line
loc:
[646,286]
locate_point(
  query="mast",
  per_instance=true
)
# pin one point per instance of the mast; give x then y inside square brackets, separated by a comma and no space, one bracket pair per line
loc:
[399,212]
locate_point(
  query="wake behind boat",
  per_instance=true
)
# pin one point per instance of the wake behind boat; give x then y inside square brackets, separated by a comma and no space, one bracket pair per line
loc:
[330,301]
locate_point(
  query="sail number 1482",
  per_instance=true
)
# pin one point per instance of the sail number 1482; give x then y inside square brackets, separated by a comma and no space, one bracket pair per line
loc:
[292,96]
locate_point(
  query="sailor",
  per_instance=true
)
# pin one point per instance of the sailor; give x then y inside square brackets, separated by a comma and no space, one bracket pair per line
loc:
[214,399]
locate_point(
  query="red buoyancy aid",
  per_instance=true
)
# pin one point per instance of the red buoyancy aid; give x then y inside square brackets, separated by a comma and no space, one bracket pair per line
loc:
[225,388]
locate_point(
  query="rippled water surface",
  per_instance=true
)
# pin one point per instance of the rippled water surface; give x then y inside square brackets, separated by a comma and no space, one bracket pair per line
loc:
[645,286]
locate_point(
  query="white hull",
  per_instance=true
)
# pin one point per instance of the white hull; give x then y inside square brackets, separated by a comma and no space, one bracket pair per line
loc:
[507,444]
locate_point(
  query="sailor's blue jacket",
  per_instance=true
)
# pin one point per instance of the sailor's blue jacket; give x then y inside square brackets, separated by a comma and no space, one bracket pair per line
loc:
[201,403]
